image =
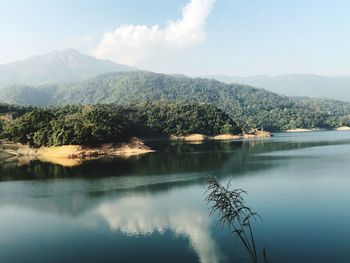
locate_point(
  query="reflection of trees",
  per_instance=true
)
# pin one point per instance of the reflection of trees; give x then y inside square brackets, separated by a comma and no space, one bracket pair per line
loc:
[133,195]
[174,165]
[75,197]
[235,158]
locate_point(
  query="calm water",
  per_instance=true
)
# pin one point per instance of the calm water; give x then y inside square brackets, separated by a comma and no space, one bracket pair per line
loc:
[152,208]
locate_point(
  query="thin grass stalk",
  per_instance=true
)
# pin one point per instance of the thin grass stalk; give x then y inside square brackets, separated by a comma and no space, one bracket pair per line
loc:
[234,212]
[266,260]
[252,240]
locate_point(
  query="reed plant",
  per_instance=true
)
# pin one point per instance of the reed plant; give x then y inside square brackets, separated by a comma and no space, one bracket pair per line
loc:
[233,211]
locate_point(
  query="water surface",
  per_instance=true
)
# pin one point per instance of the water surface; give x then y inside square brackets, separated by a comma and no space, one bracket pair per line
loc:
[152,209]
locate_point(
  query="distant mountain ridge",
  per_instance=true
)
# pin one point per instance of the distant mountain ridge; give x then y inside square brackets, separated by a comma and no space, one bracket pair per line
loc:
[250,107]
[69,65]
[307,85]
[60,66]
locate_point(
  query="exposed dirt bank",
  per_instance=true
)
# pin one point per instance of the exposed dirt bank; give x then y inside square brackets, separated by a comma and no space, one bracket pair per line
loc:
[71,155]
[343,128]
[302,130]
[221,137]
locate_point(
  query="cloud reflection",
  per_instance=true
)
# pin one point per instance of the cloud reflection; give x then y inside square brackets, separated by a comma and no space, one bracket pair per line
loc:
[144,215]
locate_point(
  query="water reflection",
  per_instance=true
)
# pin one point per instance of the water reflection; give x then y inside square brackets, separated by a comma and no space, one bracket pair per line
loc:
[144,215]
[133,213]
[170,158]
[120,206]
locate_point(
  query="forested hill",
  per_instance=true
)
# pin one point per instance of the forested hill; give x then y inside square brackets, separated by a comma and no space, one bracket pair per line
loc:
[97,124]
[307,85]
[249,107]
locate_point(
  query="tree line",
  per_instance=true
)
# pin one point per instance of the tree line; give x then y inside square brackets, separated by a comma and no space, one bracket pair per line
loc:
[107,123]
[250,107]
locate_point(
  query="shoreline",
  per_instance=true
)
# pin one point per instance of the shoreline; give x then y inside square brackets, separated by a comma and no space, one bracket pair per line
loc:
[221,137]
[72,155]
[342,128]
[304,130]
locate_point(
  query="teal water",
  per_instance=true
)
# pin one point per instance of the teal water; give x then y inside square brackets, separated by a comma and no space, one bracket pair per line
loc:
[152,209]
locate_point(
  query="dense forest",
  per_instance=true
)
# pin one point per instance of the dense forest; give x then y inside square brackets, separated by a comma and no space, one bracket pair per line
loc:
[249,107]
[97,124]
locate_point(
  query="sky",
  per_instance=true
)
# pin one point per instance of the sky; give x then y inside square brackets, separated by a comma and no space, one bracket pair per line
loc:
[194,37]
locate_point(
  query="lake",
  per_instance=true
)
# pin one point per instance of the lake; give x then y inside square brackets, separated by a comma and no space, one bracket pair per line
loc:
[152,208]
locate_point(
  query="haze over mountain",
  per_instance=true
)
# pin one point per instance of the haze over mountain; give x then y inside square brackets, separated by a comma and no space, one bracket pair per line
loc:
[309,85]
[66,66]
[57,66]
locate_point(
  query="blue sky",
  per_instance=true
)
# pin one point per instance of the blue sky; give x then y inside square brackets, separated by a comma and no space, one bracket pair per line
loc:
[235,37]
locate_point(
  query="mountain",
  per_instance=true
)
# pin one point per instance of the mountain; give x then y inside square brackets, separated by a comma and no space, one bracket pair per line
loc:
[7,76]
[57,66]
[250,107]
[309,85]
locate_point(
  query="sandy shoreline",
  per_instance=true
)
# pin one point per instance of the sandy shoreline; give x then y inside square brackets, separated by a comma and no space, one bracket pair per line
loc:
[343,128]
[221,137]
[304,130]
[72,155]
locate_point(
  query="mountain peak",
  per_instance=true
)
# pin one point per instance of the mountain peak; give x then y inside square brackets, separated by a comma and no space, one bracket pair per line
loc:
[67,65]
[71,52]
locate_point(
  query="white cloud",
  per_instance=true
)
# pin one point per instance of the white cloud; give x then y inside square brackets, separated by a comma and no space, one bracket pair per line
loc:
[136,44]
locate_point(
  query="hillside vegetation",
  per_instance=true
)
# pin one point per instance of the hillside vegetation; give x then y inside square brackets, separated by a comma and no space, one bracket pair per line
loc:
[305,85]
[249,107]
[93,125]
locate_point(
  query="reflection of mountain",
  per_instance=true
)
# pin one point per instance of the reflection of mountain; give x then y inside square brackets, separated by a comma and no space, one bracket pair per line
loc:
[136,213]
[161,195]
[74,197]
[73,191]
[131,212]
